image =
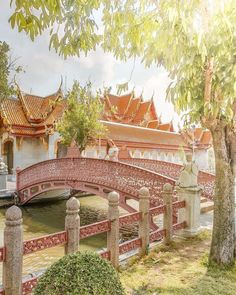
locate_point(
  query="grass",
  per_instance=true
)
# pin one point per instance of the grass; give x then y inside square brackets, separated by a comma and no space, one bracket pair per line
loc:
[178,269]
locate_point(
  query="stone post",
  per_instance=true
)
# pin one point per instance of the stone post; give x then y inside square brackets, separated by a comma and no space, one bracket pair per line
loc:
[13,242]
[72,225]
[144,227]
[113,234]
[191,212]
[167,194]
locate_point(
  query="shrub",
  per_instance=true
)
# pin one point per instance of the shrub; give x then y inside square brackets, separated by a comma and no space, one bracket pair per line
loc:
[80,274]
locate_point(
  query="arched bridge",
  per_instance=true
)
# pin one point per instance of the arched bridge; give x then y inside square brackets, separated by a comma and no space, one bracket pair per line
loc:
[172,170]
[90,175]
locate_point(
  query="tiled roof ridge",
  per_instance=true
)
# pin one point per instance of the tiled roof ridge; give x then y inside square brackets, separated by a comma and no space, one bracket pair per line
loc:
[128,105]
[23,103]
[133,114]
[136,110]
[20,117]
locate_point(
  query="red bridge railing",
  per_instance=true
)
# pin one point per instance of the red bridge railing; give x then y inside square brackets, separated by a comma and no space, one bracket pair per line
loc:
[206,180]
[62,238]
[91,175]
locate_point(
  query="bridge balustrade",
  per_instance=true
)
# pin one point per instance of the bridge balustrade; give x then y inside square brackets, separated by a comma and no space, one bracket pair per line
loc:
[205,180]
[91,175]
[12,257]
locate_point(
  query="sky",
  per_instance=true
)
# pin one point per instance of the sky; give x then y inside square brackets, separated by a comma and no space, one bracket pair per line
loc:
[44,69]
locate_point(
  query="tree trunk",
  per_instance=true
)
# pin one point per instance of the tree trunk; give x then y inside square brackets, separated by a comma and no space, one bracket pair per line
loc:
[232,150]
[223,236]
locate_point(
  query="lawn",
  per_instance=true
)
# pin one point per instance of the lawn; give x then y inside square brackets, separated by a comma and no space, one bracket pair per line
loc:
[180,268]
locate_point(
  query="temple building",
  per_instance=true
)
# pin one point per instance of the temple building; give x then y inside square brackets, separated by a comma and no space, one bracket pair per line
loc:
[28,131]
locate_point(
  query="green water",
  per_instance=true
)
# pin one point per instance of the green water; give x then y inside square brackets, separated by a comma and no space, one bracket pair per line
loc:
[45,218]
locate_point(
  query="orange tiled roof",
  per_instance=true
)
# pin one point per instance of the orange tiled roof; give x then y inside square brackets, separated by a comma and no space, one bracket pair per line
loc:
[166,127]
[206,138]
[142,111]
[201,137]
[128,109]
[153,124]
[31,115]
[133,107]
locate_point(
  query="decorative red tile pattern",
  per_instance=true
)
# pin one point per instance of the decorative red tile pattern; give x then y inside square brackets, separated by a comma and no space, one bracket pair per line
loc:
[129,218]
[130,245]
[179,204]
[44,242]
[206,180]
[157,210]
[93,175]
[157,235]
[94,229]
[28,285]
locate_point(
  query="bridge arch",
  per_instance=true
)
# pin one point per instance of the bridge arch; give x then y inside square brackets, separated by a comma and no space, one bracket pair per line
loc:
[91,175]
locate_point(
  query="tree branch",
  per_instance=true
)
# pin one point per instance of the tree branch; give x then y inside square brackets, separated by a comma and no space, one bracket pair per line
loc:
[208,80]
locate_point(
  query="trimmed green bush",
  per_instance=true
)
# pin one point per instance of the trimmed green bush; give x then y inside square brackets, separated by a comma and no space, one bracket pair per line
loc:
[80,274]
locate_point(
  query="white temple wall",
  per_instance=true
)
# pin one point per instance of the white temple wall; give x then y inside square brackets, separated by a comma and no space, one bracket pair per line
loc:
[102,152]
[201,158]
[52,145]
[31,151]
[91,152]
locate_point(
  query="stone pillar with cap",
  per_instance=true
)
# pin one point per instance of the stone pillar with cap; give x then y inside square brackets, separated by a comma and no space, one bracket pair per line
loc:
[3,175]
[144,226]
[167,194]
[72,225]
[188,190]
[113,234]
[13,242]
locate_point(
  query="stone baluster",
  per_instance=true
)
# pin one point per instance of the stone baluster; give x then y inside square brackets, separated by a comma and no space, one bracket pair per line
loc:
[13,242]
[72,225]
[144,226]
[167,194]
[113,234]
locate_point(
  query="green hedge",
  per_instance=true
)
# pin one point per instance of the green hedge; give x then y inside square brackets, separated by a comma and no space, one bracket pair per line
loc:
[80,274]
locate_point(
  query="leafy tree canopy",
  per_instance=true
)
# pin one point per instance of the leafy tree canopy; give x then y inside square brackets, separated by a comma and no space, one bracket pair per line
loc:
[4,71]
[80,122]
[183,36]
[7,66]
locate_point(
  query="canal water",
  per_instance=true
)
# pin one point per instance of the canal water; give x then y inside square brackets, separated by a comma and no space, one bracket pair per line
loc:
[49,217]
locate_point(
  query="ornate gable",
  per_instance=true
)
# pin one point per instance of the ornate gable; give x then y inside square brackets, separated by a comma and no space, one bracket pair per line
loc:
[128,109]
[31,115]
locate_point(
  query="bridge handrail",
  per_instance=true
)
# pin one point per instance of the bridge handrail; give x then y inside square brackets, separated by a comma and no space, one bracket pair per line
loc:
[44,163]
[206,179]
[164,162]
[110,175]
[61,238]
